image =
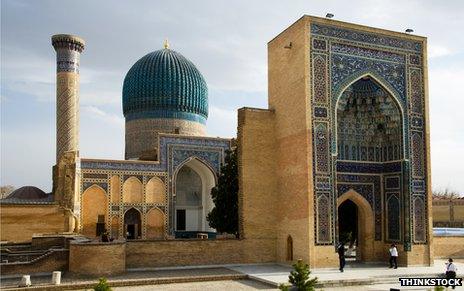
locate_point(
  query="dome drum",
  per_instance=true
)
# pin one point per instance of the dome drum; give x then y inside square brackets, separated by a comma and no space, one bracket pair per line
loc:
[163,92]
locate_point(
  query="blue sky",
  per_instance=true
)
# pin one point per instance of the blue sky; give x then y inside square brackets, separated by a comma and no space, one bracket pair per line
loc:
[225,39]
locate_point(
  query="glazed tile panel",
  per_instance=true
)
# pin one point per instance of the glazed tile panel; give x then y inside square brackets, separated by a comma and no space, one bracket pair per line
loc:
[339,57]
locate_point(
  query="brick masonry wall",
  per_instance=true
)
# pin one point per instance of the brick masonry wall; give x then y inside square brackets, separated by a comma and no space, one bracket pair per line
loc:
[142,134]
[144,254]
[448,246]
[97,258]
[448,213]
[56,260]
[19,222]
[288,70]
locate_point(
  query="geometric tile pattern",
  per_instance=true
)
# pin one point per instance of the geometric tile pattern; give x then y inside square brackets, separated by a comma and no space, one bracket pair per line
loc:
[339,57]
[174,151]
[393,217]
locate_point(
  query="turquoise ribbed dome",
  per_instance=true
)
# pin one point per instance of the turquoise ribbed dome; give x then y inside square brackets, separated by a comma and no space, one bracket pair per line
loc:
[164,84]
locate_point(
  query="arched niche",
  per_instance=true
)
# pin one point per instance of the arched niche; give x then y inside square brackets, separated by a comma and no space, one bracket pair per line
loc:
[369,123]
[132,190]
[155,224]
[289,248]
[155,191]
[193,183]
[94,209]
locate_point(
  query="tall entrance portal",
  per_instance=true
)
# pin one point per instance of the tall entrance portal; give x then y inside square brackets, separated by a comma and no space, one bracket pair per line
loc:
[347,120]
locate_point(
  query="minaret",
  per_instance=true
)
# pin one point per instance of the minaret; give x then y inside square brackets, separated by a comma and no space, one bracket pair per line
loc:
[68,49]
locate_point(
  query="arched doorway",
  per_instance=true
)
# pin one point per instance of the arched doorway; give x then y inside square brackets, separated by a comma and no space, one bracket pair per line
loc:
[355,215]
[132,224]
[348,226]
[194,181]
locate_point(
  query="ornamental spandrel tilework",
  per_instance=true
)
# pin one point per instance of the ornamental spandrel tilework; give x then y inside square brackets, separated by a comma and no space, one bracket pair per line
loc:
[174,151]
[368,101]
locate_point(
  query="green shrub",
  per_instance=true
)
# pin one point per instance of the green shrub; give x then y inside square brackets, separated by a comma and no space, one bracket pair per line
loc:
[102,285]
[299,278]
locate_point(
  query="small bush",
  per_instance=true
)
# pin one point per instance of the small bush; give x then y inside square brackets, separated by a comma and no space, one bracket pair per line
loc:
[102,285]
[299,278]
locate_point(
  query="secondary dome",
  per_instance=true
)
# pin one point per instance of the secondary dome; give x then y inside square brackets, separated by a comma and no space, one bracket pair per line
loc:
[164,84]
[28,192]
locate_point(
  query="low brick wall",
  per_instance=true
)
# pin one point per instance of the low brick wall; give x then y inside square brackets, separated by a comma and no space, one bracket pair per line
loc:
[19,223]
[97,258]
[56,260]
[448,246]
[144,254]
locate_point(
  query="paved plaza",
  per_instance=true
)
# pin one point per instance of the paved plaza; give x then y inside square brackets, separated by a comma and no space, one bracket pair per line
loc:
[375,276]
[250,277]
[354,272]
[204,286]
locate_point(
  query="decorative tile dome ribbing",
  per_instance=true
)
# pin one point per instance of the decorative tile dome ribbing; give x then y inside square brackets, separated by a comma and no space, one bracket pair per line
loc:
[164,84]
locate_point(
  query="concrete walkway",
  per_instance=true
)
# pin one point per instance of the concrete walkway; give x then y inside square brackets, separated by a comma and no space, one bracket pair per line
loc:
[355,274]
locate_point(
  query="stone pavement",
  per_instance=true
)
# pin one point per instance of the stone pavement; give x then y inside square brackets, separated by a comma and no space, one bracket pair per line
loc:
[246,277]
[131,278]
[375,275]
[239,285]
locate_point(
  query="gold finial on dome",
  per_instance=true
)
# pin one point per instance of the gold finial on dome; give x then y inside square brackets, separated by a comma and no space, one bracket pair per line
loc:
[166,44]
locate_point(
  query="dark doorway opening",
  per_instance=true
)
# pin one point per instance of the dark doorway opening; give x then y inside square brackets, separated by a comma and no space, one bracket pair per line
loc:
[348,227]
[180,219]
[289,248]
[132,224]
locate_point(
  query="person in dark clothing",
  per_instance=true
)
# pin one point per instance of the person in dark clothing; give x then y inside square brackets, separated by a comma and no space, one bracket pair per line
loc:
[451,271]
[341,255]
[393,256]
[105,236]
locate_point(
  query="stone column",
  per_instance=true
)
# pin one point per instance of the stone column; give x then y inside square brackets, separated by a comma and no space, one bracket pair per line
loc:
[68,49]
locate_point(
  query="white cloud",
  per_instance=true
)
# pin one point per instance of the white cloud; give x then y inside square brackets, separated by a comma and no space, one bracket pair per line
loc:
[227,42]
[446,133]
[109,118]
[222,122]
[436,51]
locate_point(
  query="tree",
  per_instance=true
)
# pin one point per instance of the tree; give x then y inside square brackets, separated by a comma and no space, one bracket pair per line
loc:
[299,278]
[445,194]
[224,216]
[6,190]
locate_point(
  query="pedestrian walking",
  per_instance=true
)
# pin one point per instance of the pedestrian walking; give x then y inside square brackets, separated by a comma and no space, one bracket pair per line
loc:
[341,255]
[451,271]
[393,256]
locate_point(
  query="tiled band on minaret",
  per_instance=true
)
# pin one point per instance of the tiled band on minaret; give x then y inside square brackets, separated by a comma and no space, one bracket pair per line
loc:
[68,49]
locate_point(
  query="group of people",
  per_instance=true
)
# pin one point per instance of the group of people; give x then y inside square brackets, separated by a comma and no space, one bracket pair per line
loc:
[393,251]
[393,256]
[450,272]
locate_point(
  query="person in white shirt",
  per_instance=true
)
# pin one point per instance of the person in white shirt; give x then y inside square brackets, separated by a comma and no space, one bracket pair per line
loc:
[393,256]
[451,271]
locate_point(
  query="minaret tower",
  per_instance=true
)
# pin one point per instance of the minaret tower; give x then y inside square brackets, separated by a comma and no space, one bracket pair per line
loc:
[68,49]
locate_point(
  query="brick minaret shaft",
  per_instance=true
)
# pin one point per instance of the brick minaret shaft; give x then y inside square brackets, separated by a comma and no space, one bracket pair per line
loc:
[68,49]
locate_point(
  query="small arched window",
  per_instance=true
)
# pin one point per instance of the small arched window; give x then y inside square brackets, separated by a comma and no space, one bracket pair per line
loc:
[289,248]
